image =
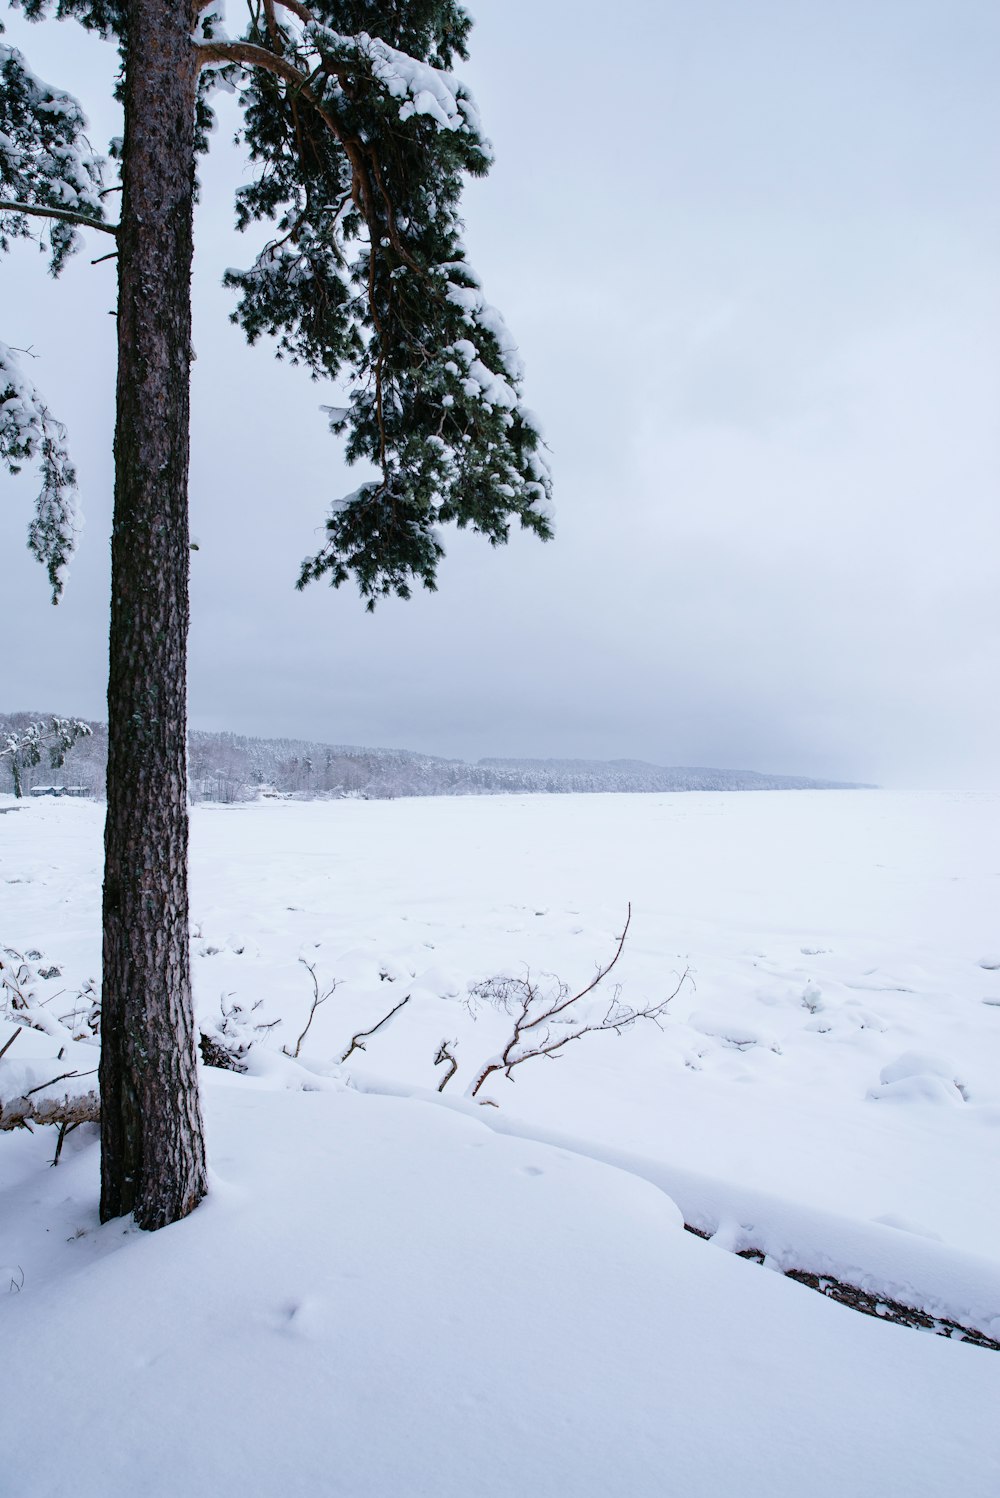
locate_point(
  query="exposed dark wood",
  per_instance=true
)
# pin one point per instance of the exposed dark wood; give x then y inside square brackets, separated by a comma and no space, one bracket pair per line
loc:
[21,1112]
[153,1156]
[358,1041]
[867,1302]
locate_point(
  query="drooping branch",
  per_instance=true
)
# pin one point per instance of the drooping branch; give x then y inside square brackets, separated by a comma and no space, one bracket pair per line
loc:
[385,134]
[251,55]
[63,215]
[29,432]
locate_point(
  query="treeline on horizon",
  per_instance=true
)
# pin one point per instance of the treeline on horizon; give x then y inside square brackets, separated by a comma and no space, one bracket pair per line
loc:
[228,768]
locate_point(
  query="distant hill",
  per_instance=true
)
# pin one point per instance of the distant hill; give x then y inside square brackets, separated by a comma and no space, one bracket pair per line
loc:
[227,767]
[639,775]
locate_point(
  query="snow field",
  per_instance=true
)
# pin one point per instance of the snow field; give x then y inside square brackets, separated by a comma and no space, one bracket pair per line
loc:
[397,1295]
[383,1297]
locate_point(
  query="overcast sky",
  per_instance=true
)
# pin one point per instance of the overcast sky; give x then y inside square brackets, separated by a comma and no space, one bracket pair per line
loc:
[749,252]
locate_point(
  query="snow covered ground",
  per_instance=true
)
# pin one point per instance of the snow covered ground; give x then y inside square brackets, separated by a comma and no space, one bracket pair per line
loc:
[392,1293]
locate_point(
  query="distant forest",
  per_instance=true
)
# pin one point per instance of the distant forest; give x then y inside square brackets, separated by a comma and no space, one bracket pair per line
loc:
[227,768]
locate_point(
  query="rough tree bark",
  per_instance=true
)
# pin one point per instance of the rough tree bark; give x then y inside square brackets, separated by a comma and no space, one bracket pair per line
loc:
[153,1157]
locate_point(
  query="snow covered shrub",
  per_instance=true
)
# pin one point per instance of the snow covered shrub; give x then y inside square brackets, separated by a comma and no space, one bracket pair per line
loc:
[24,1002]
[54,1087]
[227,1045]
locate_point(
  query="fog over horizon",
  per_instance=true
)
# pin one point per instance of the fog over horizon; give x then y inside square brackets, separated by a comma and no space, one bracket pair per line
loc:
[749,255]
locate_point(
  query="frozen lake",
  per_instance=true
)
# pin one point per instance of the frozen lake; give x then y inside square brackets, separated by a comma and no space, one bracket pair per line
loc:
[828,937]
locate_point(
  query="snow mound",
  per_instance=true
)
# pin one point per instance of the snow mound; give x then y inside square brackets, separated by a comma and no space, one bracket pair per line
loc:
[918,1078]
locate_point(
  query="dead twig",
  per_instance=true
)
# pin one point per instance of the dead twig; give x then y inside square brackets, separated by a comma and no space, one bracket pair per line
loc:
[66,1074]
[442,1056]
[64,1129]
[318,999]
[544,1021]
[358,1041]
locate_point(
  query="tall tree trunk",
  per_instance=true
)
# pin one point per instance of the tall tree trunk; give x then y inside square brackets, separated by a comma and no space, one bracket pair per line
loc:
[153,1156]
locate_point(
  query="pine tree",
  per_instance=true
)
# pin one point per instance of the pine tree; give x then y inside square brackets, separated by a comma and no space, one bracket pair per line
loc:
[52,736]
[360,137]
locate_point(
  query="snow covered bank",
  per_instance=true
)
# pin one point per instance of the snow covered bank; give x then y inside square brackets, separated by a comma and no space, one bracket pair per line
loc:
[384,1298]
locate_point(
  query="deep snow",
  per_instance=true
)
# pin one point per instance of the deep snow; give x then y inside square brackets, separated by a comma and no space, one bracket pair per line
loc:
[390,1295]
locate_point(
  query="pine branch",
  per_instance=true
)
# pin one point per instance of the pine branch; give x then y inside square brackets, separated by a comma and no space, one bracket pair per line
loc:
[64,215]
[436,407]
[250,55]
[364,165]
[304,14]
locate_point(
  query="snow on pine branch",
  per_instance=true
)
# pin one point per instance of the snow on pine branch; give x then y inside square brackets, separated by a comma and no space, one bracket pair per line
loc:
[423,89]
[45,158]
[29,433]
[362,145]
[56,736]
[467,294]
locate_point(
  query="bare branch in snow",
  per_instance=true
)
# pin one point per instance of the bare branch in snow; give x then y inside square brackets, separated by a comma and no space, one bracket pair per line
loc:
[358,1041]
[442,1056]
[546,1019]
[318,999]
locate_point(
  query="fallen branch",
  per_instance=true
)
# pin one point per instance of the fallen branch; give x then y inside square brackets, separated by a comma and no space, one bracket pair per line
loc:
[21,1112]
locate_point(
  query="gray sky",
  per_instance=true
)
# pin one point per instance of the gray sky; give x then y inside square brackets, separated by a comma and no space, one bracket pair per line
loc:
[749,253]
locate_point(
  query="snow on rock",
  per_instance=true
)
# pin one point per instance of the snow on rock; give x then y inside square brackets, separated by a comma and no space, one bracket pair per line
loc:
[440,982]
[915,1077]
[731,1029]
[920,1089]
